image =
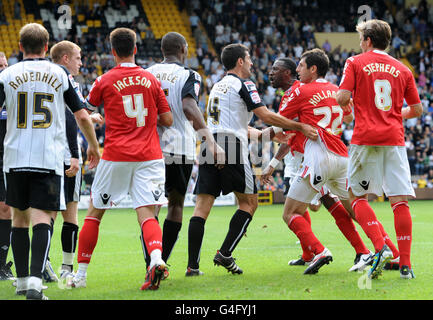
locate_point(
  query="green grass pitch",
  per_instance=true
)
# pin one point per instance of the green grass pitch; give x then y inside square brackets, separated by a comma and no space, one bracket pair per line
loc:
[117,269]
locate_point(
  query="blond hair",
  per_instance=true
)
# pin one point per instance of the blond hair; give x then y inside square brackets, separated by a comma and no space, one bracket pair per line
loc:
[377,30]
[34,37]
[62,48]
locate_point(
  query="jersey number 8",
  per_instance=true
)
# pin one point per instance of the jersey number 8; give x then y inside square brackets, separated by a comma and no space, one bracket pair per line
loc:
[382,99]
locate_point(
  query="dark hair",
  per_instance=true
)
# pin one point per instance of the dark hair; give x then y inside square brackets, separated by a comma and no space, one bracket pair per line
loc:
[378,31]
[231,53]
[317,57]
[172,43]
[123,42]
[289,64]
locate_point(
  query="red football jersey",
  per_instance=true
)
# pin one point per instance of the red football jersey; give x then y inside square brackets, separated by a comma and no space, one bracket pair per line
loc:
[132,99]
[314,104]
[379,85]
[296,143]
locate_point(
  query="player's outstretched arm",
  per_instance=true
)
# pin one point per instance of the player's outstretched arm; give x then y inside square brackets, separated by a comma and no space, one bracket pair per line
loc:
[194,115]
[413,111]
[343,99]
[86,126]
[165,119]
[269,170]
[278,120]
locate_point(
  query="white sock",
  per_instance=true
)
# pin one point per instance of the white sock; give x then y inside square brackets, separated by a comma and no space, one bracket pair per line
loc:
[22,283]
[155,257]
[68,258]
[82,269]
[34,283]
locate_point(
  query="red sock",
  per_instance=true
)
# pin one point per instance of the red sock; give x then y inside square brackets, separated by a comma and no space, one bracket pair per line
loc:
[303,231]
[152,234]
[367,220]
[87,239]
[403,231]
[388,242]
[307,216]
[347,227]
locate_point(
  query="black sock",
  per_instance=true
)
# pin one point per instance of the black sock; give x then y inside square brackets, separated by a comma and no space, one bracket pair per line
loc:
[170,234]
[237,228]
[195,239]
[51,235]
[40,248]
[69,237]
[5,239]
[20,244]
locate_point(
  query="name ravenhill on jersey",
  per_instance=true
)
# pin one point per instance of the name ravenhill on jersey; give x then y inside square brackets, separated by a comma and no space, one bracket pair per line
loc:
[32,76]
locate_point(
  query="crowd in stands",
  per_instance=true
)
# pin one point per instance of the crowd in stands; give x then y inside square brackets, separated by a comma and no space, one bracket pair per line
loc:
[279,28]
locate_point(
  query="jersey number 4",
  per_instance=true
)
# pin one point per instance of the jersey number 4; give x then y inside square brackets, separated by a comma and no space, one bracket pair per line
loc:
[39,108]
[134,108]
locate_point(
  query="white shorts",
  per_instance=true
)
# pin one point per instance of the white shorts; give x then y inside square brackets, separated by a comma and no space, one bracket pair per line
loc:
[321,171]
[144,181]
[378,169]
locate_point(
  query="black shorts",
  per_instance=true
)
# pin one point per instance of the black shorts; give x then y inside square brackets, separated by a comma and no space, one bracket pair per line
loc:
[72,186]
[287,185]
[177,174]
[238,176]
[39,190]
[2,179]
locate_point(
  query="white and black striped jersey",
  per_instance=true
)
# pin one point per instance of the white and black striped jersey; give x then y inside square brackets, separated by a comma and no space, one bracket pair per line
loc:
[35,92]
[230,106]
[177,82]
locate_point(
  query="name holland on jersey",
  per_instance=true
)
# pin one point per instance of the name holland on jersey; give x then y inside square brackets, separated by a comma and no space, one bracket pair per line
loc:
[36,76]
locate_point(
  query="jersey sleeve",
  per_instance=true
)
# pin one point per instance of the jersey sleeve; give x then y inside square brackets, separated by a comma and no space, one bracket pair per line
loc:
[72,99]
[94,98]
[348,79]
[192,86]
[250,95]
[71,133]
[2,95]
[290,108]
[411,92]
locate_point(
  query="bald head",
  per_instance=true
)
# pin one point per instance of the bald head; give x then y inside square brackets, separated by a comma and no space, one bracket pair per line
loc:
[172,44]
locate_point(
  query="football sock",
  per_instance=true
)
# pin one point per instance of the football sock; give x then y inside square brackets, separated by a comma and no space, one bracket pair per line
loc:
[388,242]
[345,223]
[69,243]
[144,248]
[20,244]
[403,230]
[307,217]
[152,235]
[87,239]
[195,239]
[367,220]
[237,228]
[5,238]
[40,247]
[302,229]
[170,234]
